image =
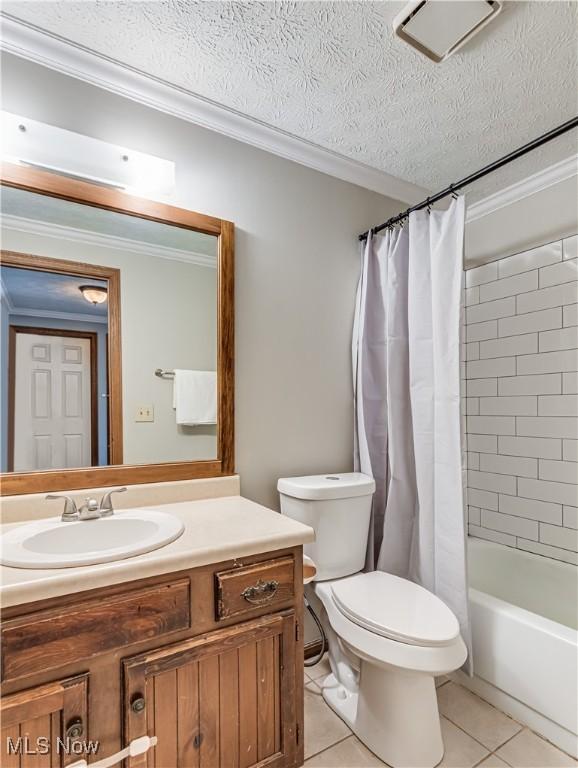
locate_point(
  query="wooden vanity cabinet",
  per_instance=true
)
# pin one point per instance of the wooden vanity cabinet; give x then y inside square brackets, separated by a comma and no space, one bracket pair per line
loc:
[210,661]
[37,721]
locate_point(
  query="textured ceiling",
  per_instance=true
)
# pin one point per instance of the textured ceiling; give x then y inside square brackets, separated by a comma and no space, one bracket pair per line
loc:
[48,291]
[333,73]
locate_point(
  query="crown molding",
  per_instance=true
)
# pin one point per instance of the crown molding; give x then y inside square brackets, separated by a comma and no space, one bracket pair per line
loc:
[553,174]
[55,315]
[56,53]
[62,232]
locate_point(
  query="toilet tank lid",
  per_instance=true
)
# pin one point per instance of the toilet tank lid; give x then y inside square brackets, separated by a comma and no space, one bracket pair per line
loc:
[344,485]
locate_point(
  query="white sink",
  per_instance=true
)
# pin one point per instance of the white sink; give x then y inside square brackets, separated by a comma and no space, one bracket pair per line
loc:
[54,544]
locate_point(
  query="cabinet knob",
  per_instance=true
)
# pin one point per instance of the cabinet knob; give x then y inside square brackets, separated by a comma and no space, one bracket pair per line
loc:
[197,740]
[138,704]
[75,729]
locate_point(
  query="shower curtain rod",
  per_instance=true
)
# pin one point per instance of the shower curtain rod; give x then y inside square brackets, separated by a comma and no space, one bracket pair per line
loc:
[554,133]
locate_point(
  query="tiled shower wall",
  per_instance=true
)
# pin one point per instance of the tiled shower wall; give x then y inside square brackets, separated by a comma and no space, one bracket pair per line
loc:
[521,401]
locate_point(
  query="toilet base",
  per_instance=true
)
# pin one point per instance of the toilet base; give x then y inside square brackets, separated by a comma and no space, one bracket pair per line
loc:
[394,712]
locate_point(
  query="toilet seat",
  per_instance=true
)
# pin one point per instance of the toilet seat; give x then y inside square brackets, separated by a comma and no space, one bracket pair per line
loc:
[396,609]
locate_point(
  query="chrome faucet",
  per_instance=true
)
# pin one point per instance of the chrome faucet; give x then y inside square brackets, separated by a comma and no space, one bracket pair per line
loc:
[90,510]
[106,509]
[70,508]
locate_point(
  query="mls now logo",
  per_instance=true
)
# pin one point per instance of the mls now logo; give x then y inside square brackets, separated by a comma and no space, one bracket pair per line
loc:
[42,745]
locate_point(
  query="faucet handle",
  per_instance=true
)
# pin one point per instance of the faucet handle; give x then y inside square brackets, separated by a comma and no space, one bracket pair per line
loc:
[70,508]
[106,507]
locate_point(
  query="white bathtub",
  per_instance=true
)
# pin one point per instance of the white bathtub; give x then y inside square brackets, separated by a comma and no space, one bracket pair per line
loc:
[524,614]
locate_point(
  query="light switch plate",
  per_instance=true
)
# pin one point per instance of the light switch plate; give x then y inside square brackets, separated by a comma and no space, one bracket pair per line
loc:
[145,413]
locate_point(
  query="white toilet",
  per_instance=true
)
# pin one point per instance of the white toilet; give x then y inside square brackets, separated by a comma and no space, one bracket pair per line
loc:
[388,637]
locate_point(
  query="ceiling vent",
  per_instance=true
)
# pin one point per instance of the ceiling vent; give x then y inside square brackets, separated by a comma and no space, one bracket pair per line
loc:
[437,28]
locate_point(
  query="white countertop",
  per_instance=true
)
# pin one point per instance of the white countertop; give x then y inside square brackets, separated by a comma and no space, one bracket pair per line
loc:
[215,530]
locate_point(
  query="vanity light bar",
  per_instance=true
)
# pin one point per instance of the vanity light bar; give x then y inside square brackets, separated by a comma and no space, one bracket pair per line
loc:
[75,155]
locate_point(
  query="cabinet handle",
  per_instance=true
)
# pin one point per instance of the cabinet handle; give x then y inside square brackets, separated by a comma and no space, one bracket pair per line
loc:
[138,704]
[75,729]
[261,592]
[197,740]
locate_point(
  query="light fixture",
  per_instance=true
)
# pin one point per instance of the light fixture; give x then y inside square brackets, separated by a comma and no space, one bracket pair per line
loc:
[437,28]
[94,294]
[46,147]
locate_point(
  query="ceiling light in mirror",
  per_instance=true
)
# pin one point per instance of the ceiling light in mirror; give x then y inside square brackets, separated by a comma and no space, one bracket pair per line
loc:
[94,294]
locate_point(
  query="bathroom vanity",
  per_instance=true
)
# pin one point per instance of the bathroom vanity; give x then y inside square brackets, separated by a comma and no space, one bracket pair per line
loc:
[198,644]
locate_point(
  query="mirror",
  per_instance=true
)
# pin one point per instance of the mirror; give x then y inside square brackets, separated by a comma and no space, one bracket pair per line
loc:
[110,337]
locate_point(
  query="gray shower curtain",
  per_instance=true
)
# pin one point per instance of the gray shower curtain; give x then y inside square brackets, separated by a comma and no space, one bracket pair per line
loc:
[406,359]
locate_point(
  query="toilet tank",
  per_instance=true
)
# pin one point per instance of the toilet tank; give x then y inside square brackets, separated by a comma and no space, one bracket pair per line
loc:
[338,508]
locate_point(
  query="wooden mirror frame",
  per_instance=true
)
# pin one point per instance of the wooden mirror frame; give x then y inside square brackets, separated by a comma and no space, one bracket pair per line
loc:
[85,193]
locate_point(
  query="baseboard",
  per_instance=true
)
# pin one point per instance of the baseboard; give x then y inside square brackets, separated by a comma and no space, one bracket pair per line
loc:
[312,649]
[548,729]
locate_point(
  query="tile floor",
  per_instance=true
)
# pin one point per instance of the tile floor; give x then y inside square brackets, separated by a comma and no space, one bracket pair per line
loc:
[474,732]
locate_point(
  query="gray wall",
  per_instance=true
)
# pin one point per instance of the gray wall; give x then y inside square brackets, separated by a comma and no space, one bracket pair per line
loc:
[296,269]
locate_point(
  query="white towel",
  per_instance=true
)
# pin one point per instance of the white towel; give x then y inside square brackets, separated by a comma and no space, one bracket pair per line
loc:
[195,397]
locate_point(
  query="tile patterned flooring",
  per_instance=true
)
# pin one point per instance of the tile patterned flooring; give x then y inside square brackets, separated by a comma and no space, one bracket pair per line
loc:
[475,734]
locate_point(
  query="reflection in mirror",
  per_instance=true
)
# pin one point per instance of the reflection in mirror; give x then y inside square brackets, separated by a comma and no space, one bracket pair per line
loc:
[62,364]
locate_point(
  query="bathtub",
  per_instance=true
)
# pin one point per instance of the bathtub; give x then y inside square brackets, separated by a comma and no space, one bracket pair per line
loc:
[524,615]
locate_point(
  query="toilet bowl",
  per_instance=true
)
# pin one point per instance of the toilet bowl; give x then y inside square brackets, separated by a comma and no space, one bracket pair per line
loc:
[388,637]
[384,663]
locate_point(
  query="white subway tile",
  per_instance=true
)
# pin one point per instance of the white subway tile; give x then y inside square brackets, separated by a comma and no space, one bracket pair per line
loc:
[473,460]
[555,296]
[537,447]
[486,481]
[508,465]
[482,331]
[559,471]
[564,272]
[472,406]
[570,450]
[482,387]
[482,274]
[482,443]
[571,517]
[556,536]
[527,260]
[558,405]
[497,366]
[486,499]
[547,362]
[563,338]
[493,425]
[546,426]
[540,384]
[570,315]
[472,296]
[509,406]
[570,247]
[546,551]
[473,350]
[545,490]
[510,345]
[509,286]
[544,320]
[515,526]
[474,515]
[570,383]
[492,310]
[534,510]
[488,535]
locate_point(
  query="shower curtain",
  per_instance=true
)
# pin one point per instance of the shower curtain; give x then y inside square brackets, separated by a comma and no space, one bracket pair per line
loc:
[406,369]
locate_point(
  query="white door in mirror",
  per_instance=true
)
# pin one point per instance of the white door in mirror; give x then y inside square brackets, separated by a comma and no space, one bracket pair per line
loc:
[55,544]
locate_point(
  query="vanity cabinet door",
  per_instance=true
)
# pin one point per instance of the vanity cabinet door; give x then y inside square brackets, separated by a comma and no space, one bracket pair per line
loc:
[45,727]
[222,700]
